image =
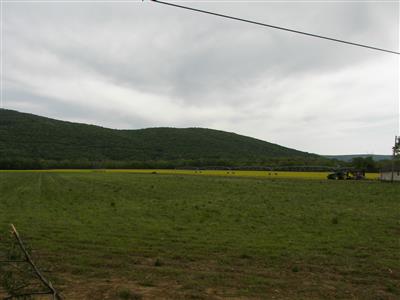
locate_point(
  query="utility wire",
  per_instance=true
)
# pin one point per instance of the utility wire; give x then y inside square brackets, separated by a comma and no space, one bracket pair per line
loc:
[273,26]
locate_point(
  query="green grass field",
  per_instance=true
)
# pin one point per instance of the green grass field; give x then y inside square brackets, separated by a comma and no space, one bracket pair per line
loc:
[101,234]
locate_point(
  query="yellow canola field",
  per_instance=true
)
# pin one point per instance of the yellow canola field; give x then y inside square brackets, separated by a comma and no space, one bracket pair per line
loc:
[264,174]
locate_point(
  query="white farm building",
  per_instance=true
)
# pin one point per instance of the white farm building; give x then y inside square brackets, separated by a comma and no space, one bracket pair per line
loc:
[386,174]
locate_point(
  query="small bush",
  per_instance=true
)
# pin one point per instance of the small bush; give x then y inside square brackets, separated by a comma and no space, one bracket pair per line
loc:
[295,269]
[128,295]
[335,220]
[158,263]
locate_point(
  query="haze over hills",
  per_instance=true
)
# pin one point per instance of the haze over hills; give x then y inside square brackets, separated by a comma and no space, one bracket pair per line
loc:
[29,137]
[349,157]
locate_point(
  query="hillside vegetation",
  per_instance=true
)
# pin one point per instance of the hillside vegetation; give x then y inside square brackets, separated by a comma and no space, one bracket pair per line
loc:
[30,141]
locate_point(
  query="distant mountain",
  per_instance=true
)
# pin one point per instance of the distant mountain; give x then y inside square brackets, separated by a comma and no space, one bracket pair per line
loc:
[29,137]
[348,158]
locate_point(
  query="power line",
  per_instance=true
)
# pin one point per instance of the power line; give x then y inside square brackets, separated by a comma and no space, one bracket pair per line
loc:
[273,26]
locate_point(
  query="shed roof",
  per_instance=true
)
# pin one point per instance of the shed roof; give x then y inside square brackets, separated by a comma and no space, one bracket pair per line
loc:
[388,167]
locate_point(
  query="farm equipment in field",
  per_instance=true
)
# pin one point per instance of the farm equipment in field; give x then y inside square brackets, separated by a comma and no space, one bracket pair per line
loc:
[347,175]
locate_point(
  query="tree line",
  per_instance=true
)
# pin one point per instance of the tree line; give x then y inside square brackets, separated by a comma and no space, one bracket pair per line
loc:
[367,164]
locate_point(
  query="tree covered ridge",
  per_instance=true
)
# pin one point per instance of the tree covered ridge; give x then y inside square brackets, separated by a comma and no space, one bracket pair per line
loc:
[27,139]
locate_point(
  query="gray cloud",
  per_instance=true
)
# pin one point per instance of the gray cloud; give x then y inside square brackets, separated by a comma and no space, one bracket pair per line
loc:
[134,65]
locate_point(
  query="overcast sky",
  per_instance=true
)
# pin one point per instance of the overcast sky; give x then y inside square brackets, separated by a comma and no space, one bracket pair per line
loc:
[142,64]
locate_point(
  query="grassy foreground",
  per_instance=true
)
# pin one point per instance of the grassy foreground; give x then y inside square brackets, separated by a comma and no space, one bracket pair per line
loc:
[103,234]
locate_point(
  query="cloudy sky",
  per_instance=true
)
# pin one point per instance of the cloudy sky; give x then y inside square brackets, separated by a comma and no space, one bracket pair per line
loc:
[137,64]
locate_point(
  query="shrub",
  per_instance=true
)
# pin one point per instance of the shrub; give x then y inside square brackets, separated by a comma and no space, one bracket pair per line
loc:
[128,295]
[158,263]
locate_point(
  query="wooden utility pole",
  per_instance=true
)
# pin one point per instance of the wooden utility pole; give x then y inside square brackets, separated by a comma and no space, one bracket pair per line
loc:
[396,153]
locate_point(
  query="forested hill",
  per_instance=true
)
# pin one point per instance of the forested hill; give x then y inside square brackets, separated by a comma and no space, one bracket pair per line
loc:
[27,138]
